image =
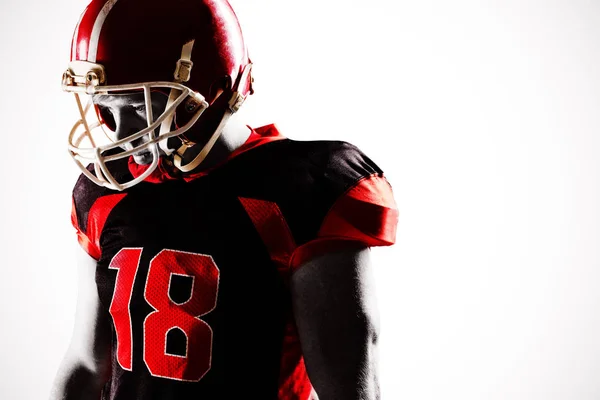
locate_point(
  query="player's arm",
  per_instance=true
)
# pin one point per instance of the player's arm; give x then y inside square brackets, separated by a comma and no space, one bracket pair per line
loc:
[337,320]
[86,364]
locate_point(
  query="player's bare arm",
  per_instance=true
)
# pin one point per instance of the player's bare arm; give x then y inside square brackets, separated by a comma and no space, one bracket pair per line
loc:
[337,320]
[85,366]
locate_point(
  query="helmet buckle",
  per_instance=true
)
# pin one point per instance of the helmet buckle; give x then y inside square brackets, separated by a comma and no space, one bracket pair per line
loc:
[236,101]
[183,70]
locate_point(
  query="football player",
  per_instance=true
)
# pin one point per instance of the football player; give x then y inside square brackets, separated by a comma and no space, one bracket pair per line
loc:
[218,261]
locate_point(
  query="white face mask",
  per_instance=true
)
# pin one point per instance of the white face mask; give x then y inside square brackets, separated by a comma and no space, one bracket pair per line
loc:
[90,143]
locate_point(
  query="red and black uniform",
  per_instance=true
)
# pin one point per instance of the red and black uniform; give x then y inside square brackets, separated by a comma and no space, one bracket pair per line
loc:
[194,272]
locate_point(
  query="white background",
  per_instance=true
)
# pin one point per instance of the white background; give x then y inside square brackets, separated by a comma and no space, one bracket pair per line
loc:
[485,117]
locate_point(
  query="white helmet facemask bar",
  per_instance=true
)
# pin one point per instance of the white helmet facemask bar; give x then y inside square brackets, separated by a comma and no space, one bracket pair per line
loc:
[91,131]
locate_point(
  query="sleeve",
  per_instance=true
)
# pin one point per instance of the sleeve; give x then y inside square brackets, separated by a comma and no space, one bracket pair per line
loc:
[91,206]
[85,242]
[364,212]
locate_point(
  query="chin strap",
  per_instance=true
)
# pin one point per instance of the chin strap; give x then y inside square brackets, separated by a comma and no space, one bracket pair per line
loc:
[182,73]
[186,145]
[234,104]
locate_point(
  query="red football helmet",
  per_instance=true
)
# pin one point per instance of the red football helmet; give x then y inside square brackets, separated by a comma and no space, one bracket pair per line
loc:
[191,50]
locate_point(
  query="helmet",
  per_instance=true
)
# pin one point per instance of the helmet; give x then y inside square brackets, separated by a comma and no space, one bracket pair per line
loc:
[190,50]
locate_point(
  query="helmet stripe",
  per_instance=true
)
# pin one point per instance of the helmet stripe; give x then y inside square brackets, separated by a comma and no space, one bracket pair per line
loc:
[95,36]
[76,36]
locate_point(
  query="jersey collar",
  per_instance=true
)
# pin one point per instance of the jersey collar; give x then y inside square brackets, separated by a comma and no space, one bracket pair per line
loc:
[258,137]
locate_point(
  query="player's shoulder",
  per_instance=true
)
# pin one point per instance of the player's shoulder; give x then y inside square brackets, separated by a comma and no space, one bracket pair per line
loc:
[344,158]
[86,194]
[332,194]
[332,157]
[87,191]
[334,160]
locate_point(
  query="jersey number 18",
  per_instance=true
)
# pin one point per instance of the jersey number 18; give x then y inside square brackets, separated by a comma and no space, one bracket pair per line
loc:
[167,314]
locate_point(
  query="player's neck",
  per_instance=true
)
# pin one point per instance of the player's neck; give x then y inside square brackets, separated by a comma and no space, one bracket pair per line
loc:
[233,136]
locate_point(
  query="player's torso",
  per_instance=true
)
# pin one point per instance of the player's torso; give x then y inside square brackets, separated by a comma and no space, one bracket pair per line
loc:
[190,277]
[191,252]
[195,274]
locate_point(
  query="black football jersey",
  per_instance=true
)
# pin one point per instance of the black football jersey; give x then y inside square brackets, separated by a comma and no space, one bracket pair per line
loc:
[194,272]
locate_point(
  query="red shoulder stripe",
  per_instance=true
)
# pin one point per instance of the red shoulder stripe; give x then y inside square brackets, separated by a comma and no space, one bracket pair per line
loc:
[97,216]
[367,212]
[366,215]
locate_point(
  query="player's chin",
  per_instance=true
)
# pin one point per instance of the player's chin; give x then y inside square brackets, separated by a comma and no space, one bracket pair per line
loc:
[143,158]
